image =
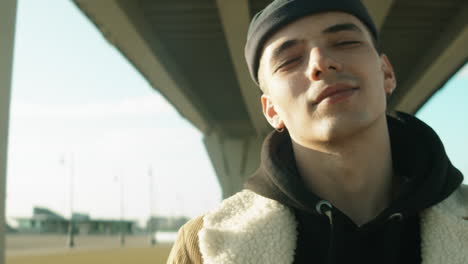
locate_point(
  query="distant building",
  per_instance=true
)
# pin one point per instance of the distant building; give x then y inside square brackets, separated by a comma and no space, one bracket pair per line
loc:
[10,229]
[103,226]
[43,221]
[47,221]
[166,224]
[78,217]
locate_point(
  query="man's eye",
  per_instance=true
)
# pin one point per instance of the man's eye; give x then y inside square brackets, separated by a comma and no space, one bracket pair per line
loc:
[347,43]
[288,63]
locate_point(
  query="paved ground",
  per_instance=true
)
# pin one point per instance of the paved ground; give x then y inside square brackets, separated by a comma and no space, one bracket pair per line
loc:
[154,255]
[52,249]
[45,244]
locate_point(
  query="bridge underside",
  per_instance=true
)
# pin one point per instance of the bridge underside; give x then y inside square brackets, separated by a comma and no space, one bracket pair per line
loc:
[192,53]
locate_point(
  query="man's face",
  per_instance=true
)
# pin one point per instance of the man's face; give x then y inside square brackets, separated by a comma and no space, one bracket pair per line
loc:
[323,78]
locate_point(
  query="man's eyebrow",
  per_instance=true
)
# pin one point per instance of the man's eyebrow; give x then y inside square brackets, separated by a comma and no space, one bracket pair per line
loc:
[283,47]
[293,42]
[341,27]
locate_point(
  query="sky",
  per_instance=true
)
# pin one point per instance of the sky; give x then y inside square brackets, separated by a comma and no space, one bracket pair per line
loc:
[78,105]
[79,108]
[447,113]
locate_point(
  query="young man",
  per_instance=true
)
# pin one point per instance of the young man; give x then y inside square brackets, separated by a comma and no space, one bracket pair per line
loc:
[340,181]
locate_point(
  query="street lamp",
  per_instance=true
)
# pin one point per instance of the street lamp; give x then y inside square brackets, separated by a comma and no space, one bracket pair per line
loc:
[71,231]
[122,225]
[151,228]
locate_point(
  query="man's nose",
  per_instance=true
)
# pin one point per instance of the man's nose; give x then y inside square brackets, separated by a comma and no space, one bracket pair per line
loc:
[320,63]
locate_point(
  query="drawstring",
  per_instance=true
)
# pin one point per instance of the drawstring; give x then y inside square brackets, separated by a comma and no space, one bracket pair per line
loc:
[325,208]
[392,234]
[392,238]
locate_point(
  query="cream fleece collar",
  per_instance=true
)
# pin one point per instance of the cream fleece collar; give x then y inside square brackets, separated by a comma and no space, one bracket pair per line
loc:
[444,230]
[248,228]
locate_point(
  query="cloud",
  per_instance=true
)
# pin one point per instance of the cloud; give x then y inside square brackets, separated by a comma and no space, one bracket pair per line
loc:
[153,105]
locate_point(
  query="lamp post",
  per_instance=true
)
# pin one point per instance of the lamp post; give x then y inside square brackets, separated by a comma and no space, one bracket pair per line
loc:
[152,222]
[122,225]
[71,229]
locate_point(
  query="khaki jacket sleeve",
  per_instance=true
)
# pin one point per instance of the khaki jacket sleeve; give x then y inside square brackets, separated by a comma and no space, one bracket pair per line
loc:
[186,249]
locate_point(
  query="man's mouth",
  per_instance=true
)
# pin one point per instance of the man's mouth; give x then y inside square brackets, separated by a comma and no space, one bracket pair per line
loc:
[336,92]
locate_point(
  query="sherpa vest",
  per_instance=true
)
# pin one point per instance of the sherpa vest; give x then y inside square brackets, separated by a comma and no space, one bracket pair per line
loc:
[249,228]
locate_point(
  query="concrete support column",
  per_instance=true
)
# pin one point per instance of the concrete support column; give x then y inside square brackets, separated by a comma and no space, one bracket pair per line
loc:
[7,32]
[234,159]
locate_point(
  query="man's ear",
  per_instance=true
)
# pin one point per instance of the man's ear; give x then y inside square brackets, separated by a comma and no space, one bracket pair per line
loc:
[389,75]
[270,113]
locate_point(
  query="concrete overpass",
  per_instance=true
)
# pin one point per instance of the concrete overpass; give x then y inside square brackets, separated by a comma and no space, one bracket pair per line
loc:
[7,33]
[192,53]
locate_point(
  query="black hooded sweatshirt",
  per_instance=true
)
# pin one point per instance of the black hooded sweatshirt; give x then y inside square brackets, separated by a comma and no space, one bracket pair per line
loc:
[327,235]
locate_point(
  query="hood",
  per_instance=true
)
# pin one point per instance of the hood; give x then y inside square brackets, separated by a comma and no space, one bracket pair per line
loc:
[419,157]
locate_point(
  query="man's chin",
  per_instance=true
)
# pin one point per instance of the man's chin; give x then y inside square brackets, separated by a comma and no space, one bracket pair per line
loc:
[335,130]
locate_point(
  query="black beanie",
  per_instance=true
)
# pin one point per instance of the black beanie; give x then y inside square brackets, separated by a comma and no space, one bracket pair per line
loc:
[279,13]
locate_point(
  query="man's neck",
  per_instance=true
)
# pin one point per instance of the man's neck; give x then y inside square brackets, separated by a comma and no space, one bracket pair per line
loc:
[355,174]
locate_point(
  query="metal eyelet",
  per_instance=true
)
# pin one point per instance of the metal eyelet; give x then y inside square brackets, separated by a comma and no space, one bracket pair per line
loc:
[396,216]
[318,206]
